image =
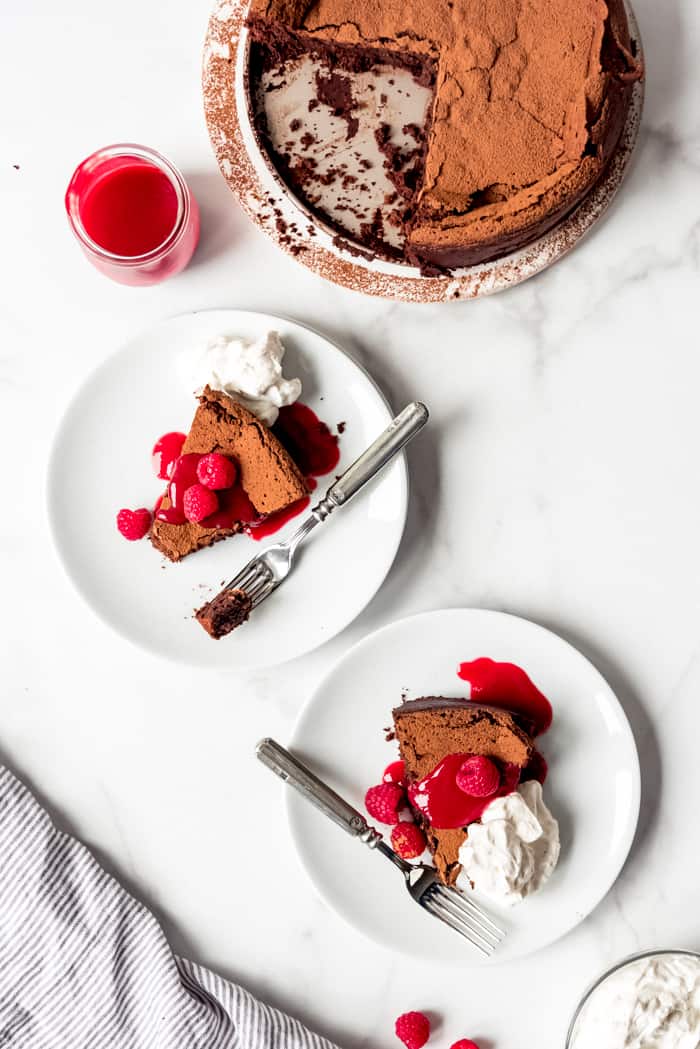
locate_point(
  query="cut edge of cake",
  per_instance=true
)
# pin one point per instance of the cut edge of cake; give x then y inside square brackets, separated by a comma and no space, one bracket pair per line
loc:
[276,43]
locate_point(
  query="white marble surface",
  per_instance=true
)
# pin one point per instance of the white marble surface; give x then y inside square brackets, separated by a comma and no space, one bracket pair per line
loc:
[559,480]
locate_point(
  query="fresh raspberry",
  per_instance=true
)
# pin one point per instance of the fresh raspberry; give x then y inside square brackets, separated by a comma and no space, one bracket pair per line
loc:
[395,773]
[216,471]
[478,777]
[199,502]
[384,801]
[408,840]
[134,524]
[464,1043]
[413,1029]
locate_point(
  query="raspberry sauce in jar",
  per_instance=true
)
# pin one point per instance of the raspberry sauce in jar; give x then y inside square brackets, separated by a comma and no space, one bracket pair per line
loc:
[133,214]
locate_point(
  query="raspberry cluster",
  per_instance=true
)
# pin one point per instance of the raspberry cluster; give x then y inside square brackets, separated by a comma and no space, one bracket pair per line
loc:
[413,1029]
[215,473]
[385,801]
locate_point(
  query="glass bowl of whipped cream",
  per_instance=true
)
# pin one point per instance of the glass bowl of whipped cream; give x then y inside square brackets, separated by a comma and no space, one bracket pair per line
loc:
[648,1001]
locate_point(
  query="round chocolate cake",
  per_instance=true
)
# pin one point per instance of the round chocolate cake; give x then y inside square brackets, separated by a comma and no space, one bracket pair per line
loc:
[445,133]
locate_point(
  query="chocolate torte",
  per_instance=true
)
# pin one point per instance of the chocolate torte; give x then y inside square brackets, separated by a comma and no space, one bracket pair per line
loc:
[228,610]
[433,727]
[268,476]
[445,133]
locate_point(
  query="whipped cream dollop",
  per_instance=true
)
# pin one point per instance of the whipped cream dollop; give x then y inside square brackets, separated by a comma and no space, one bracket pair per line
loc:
[650,1003]
[514,849]
[249,371]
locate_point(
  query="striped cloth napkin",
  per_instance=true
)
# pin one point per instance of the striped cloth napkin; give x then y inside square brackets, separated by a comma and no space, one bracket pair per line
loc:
[83,965]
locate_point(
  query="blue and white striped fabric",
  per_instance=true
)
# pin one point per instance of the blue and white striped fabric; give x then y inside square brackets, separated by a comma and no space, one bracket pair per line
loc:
[83,965]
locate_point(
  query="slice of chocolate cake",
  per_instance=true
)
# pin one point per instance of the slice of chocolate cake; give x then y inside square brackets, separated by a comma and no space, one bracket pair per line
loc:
[228,610]
[434,728]
[268,478]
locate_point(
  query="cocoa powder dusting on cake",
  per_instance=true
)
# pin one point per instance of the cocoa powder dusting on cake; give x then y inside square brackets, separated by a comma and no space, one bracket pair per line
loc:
[530,100]
[225,29]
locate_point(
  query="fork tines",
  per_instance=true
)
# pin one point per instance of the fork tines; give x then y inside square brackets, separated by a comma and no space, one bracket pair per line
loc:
[255,579]
[453,908]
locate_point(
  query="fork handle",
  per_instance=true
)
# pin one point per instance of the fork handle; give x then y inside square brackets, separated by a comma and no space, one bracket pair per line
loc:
[297,775]
[397,434]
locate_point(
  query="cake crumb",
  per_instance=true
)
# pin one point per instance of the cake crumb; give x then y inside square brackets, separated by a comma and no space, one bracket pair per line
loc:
[228,610]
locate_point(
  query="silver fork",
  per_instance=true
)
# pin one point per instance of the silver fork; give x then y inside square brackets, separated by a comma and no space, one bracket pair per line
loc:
[266,571]
[452,907]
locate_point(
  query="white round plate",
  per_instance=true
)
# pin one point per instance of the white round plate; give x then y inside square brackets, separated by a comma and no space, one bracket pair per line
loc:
[593,786]
[101,462]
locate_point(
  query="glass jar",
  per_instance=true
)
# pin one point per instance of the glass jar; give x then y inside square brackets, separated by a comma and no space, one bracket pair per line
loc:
[133,214]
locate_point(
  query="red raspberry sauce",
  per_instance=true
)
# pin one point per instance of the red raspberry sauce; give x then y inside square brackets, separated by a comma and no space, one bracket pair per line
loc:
[130,210]
[165,451]
[444,804]
[507,686]
[502,685]
[310,443]
[234,504]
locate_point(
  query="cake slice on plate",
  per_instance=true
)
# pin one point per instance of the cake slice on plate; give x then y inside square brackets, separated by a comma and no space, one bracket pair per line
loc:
[268,480]
[436,735]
